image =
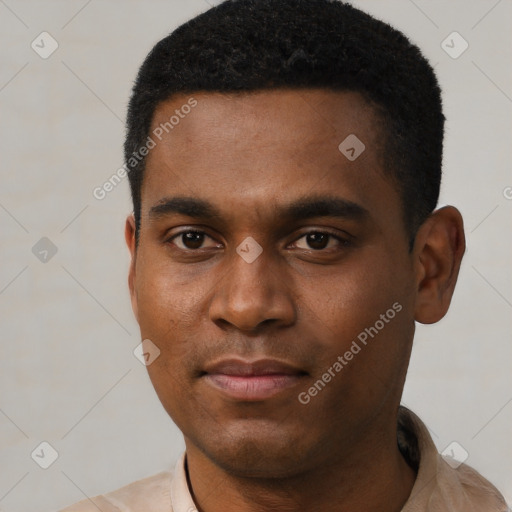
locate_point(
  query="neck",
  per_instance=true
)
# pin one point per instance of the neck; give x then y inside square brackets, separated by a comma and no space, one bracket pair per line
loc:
[370,475]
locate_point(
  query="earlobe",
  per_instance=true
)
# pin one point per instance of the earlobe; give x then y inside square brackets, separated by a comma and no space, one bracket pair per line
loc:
[438,251]
[129,234]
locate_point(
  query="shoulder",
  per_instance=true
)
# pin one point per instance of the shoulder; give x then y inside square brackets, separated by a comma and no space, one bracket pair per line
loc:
[442,483]
[464,483]
[150,494]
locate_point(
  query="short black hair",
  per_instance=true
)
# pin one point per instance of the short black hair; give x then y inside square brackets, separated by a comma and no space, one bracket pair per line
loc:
[251,45]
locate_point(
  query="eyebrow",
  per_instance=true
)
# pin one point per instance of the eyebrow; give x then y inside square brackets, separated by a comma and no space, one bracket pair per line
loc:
[189,206]
[300,209]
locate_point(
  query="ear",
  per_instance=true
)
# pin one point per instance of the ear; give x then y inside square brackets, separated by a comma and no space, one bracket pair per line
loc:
[438,250]
[129,235]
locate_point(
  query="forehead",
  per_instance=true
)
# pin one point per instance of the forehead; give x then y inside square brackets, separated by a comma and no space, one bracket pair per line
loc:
[280,115]
[263,147]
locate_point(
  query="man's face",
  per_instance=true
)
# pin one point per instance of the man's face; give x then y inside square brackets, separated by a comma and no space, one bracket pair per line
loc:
[334,260]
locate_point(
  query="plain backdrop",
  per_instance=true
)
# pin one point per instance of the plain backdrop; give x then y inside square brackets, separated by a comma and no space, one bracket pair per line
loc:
[68,375]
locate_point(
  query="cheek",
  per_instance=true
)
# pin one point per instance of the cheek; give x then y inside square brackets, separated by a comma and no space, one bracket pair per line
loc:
[166,317]
[166,301]
[352,297]
[365,317]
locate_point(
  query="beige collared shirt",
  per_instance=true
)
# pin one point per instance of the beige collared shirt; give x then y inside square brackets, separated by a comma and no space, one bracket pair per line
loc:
[439,486]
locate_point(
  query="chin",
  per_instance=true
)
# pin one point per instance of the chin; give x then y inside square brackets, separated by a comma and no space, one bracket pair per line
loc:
[253,452]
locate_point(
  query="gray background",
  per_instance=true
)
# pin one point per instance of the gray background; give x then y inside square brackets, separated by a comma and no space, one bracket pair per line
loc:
[68,375]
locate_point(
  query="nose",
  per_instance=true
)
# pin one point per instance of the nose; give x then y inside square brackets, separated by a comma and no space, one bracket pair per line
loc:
[251,296]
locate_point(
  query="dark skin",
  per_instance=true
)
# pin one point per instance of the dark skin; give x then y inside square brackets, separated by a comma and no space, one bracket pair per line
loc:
[302,301]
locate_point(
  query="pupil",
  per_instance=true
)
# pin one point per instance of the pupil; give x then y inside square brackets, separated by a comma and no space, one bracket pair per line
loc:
[193,240]
[317,240]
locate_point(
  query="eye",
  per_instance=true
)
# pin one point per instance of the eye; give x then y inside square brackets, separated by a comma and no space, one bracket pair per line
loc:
[191,240]
[319,240]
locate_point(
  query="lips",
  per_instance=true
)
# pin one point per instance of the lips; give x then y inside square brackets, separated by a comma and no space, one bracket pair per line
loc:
[252,380]
[258,367]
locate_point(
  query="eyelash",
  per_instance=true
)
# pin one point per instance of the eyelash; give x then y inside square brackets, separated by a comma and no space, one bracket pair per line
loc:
[343,242]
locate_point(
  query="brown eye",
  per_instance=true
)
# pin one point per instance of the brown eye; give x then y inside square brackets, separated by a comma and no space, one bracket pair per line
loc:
[319,240]
[190,240]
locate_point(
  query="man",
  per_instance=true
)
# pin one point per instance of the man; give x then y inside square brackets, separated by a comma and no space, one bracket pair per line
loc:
[284,158]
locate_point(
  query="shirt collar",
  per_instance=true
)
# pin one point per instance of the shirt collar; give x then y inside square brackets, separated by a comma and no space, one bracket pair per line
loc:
[181,499]
[415,443]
